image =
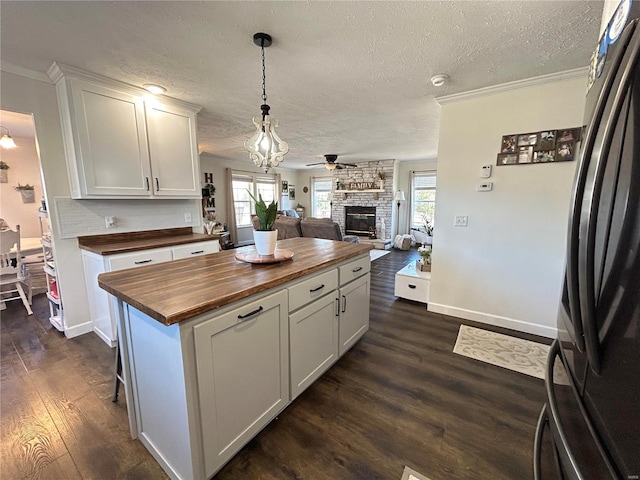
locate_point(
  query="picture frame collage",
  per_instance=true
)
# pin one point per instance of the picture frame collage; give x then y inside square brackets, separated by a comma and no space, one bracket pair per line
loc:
[547,146]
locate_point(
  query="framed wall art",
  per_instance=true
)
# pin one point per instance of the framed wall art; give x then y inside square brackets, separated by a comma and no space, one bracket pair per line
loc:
[546,146]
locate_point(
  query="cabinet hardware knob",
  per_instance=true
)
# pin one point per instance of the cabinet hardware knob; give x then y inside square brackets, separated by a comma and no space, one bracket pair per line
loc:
[316,289]
[140,262]
[344,304]
[147,181]
[197,252]
[250,314]
[356,269]
[412,286]
[157,185]
[337,307]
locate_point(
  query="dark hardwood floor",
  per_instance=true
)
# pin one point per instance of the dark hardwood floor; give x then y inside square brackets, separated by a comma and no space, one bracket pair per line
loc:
[399,397]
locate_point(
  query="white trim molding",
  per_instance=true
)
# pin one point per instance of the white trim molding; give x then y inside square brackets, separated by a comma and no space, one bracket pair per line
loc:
[581,72]
[498,321]
[23,72]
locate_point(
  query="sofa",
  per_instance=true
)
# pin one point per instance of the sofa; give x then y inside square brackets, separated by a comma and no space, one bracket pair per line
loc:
[290,227]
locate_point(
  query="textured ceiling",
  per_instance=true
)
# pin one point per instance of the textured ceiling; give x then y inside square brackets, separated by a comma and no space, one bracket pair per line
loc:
[350,78]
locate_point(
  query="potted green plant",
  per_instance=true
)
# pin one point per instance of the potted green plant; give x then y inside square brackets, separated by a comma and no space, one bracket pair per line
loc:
[424,264]
[4,177]
[265,236]
[27,192]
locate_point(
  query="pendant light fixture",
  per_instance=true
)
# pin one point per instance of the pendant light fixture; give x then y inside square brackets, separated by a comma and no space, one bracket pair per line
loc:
[265,147]
[6,141]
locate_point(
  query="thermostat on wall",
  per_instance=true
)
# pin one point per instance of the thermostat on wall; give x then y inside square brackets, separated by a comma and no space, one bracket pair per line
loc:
[485,187]
[485,171]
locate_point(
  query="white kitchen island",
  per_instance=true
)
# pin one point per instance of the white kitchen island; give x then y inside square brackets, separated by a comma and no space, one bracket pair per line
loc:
[201,385]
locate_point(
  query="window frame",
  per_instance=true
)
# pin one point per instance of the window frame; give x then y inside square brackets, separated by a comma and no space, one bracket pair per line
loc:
[415,203]
[315,211]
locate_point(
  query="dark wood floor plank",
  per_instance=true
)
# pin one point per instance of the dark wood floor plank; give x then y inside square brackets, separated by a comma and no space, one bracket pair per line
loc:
[62,468]
[29,438]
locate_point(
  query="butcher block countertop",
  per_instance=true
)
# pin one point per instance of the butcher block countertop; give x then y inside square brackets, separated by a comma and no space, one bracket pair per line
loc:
[171,292]
[133,241]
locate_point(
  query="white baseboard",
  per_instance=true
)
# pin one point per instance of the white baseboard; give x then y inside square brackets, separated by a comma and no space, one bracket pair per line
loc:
[104,338]
[498,321]
[78,330]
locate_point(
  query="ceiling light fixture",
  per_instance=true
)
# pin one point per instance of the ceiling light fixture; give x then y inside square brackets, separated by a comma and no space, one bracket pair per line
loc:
[265,147]
[330,166]
[6,141]
[439,80]
[155,89]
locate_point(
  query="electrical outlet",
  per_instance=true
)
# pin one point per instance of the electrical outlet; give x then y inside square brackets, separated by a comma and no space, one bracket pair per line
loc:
[110,222]
[461,221]
[187,217]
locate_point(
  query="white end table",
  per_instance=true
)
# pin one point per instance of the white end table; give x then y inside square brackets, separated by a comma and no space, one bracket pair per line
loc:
[412,284]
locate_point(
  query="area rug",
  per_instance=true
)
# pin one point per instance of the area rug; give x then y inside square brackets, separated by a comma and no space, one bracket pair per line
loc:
[504,351]
[376,254]
[410,474]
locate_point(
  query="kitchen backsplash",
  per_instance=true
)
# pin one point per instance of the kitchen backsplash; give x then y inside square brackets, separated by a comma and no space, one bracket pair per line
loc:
[87,217]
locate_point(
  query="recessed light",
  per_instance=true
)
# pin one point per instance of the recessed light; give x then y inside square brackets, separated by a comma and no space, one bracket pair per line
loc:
[155,89]
[439,80]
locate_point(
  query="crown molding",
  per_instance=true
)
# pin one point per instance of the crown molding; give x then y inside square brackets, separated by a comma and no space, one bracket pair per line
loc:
[23,72]
[58,71]
[581,72]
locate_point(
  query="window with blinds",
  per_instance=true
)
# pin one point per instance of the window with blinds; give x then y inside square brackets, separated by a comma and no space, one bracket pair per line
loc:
[423,198]
[257,184]
[321,197]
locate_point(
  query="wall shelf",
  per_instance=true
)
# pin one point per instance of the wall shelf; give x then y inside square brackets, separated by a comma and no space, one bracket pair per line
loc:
[372,190]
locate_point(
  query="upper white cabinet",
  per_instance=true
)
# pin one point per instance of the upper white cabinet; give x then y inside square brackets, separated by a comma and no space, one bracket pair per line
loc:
[121,142]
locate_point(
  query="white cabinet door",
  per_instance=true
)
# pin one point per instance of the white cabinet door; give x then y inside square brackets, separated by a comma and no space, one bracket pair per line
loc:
[111,151]
[313,339]
[242,360]
[354,311]
[173,150]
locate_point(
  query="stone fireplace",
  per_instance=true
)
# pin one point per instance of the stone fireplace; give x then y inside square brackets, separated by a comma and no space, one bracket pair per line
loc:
[380,200]
[360,221]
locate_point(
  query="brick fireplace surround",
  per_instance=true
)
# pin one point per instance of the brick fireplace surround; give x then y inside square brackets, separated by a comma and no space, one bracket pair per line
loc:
[365,172]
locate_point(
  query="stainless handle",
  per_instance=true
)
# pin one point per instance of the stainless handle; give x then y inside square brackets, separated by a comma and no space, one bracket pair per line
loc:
[578,193]
[344,303]
[586,254]
[197,252]
[537,443]
[316,289]
[140,262]
[146,179]
[157,185]
[250,314]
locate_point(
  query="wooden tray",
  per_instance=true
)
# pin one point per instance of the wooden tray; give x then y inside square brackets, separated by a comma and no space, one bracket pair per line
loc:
[251,256]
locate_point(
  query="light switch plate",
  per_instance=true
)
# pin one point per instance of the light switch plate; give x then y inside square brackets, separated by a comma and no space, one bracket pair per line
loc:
[461,221]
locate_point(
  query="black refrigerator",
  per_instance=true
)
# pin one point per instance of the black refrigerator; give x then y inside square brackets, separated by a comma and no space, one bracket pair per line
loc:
[589,428]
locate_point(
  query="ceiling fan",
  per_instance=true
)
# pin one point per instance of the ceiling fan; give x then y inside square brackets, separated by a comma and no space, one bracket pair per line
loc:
[331,163]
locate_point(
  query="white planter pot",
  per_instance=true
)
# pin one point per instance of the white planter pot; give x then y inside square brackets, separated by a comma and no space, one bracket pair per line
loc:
[265,241]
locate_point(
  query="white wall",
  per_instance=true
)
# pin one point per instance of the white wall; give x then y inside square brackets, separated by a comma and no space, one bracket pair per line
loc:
[506,267]
[25,168]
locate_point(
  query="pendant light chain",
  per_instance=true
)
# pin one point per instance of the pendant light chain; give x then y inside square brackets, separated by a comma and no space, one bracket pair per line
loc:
[264,76]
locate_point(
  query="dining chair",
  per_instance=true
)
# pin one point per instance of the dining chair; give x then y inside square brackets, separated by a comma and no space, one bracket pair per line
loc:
[11,268]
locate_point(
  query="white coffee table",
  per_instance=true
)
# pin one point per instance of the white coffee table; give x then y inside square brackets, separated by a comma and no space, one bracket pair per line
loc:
[412,284]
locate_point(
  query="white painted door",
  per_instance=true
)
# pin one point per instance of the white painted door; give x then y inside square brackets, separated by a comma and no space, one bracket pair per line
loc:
[354,311]
[111,138]
[242,362]
[313,339]
[173,150]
